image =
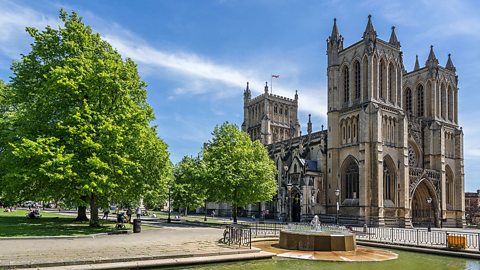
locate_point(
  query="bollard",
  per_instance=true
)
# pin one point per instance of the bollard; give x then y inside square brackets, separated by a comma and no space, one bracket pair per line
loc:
[137,225]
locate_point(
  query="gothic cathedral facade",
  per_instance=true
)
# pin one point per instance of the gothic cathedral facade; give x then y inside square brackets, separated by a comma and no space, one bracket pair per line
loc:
[392,152]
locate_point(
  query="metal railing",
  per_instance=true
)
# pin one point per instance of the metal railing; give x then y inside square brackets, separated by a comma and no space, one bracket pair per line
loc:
[273,229]
[420,237]
[241,235]
[398,236]
[237,235]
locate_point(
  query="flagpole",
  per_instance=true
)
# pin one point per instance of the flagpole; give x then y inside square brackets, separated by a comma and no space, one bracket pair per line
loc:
[271,84]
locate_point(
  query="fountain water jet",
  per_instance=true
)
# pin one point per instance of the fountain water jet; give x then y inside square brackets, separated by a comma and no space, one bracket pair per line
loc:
[313,238]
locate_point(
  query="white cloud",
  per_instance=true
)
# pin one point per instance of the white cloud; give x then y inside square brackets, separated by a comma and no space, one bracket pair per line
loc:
[15,18]
[206,77]
[442,18]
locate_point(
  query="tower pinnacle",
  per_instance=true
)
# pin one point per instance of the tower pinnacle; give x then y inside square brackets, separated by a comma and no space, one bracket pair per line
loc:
[369,30]
[335,40]
[432,60]
[335,33]
[450,65]
[393,39]
[309,124]
[247,94]
[417,65]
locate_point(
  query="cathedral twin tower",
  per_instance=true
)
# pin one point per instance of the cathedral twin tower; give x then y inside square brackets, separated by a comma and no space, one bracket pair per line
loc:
[392,153]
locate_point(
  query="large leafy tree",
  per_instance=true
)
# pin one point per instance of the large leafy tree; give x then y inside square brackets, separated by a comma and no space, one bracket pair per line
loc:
[239,170]
[188,189]
[81,126]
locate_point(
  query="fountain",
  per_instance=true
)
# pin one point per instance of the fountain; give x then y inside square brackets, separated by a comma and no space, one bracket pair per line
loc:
[316,238]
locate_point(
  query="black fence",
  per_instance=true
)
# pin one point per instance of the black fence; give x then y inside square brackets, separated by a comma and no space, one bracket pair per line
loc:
[261,229]
[399,236]
[237,235]
[420,237]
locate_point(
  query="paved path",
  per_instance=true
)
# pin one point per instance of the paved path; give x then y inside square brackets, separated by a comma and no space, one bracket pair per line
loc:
[166,242]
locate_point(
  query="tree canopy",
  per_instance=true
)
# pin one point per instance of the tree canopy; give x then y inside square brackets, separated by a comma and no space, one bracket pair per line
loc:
[239,171]
[81,127]
[188,189]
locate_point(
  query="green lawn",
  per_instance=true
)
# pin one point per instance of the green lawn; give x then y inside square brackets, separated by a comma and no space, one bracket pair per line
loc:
[15,224]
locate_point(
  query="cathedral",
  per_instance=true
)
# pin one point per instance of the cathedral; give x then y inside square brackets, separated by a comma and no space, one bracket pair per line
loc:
[391,153]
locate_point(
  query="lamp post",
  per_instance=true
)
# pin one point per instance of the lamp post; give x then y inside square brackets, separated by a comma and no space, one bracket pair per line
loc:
[337,194]
[289,187]
[205,210]
[289,199]
[429,201]
[169,220]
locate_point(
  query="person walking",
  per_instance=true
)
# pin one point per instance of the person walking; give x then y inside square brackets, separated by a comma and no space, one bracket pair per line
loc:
[129,215]
[139,212]
[106,211]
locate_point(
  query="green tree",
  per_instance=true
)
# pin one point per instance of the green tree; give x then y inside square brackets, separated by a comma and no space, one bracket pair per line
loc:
[81,126]
[239,170]
[188,191]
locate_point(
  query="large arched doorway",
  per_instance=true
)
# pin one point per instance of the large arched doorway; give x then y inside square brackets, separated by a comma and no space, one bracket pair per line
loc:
[424,205]
[296,208]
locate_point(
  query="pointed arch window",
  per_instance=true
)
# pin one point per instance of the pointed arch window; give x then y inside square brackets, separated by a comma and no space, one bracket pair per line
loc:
[420,102]
[443,102]
[365,78]
[450,104]
[356,70]
[388,183]
[408,101]
[351,180]
[391,83]
[449,187]
[346,85]
[382,79]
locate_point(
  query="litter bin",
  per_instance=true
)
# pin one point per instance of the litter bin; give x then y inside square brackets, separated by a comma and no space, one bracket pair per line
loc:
[137,225]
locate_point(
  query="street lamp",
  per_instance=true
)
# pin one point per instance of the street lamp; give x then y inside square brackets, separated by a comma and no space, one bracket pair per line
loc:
[337,194]
[205,210]
[289,199]
[429,201]
[169,220]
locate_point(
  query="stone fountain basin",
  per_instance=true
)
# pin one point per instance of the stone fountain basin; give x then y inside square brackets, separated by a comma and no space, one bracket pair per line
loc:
[317,241]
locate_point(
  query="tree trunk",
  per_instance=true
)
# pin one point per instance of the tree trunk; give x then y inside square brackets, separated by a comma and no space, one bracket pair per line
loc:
[94,222]
[82,211]
[186,210]
[234,213]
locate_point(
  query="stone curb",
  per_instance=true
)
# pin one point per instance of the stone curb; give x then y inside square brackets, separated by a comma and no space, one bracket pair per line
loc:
[136,264]
[430,250]
[64,264]
[70,237]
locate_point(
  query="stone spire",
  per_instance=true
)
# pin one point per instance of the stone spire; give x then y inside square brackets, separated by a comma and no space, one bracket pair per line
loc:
[296,95]
[309,124]
[393,39]
[432,60]
[450,65]
[335,34]
[370,37]
[369,30]
[247,94]
[266,88]
[417,65]
[334,45]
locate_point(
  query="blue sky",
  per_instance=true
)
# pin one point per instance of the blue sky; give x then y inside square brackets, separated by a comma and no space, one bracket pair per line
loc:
[196,56]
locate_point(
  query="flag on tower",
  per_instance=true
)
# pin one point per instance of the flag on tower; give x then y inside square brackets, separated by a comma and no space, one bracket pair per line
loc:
[271,82]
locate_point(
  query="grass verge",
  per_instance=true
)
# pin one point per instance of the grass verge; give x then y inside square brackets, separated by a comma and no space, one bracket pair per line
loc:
[15,224]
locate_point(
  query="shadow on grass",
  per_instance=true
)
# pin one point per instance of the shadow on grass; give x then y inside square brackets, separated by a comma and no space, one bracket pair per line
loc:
[17,225]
